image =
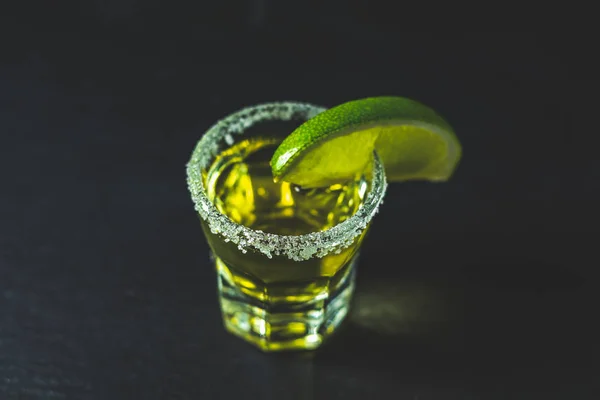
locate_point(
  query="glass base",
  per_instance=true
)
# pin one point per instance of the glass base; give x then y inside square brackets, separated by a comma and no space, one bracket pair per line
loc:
[284,325]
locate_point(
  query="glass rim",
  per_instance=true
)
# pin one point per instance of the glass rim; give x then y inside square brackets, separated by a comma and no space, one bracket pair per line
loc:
[295,247]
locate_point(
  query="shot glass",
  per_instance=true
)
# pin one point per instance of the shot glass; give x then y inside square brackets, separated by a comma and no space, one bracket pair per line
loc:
[285,256]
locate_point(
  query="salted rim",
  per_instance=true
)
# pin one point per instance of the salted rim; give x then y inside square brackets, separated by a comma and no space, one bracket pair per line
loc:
[299,247]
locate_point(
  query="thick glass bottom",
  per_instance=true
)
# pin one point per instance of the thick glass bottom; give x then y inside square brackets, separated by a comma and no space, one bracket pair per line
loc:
[289,322]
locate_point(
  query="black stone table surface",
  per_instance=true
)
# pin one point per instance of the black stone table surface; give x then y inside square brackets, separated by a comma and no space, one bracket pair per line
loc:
[484,287]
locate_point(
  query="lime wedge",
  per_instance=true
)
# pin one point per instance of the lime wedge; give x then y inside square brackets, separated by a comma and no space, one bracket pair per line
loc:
[413,141]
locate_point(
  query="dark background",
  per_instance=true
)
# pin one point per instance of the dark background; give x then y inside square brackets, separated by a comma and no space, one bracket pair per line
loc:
[480,288]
